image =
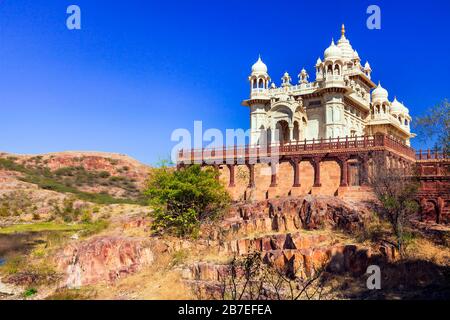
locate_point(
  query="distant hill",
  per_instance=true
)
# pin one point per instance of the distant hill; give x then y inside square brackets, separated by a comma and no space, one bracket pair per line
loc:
[91,176]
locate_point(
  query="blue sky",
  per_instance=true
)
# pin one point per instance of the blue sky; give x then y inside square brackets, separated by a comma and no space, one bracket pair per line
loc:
[137,70]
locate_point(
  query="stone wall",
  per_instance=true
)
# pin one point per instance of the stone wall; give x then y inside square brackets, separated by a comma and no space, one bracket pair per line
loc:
[330,179]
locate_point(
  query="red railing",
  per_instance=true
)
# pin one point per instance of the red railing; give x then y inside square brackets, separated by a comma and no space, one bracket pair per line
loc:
[431,155]
[357,142]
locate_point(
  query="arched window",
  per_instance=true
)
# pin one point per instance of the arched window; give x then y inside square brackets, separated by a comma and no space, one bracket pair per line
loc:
[330,69]
[255,83]
[406,122]
[337,69]
[261,83]
[296,132]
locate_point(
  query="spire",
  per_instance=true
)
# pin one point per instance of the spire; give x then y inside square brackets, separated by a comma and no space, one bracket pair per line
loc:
[343,30]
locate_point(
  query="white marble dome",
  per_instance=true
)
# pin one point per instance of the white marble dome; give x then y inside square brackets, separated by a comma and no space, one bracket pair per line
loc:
[380,93]
[259,67]
[396,106]
[332,52]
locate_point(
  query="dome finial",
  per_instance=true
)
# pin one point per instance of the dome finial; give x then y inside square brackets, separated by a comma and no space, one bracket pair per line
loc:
[343,30]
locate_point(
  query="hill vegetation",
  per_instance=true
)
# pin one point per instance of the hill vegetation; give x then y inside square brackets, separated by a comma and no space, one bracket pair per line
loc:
[70,179]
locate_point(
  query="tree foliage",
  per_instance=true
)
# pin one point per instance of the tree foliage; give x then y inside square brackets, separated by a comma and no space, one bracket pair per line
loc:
[434,126]
[396,190]
[183,198]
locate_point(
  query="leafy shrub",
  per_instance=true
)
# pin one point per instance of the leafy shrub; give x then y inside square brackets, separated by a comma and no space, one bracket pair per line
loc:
[15,204]
[13,265]
[104,174]
[182,199]
[68,211]
[29,292]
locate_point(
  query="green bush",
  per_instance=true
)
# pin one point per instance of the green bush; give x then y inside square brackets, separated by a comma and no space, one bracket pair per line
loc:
[29,292]
[182,199]
[15,203]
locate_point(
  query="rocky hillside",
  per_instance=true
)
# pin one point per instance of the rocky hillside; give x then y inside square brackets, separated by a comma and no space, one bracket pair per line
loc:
[90,176]
[74,221]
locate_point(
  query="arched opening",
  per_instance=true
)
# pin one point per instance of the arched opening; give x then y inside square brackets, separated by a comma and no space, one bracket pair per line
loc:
[285,178]
[241,178]
[261,84]
[262,140]
[303,129]
[306,178]
[353,173]
[329,69]
[337,70]
[330,177]
[429,211]
[269,136]
[283,131]
[296,131]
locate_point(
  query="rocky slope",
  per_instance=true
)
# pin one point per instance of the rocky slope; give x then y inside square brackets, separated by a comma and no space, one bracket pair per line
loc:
[113,256]
[36,183]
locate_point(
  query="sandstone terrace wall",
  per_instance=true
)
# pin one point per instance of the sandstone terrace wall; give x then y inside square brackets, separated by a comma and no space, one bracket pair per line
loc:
[330,180]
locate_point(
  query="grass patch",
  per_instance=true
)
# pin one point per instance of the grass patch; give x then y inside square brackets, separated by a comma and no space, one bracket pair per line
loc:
[41,227]
[72,294]
[87,228]
[13,265]
[179,257]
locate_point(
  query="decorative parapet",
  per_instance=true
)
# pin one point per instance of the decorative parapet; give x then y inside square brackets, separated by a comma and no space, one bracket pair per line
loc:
[338,145]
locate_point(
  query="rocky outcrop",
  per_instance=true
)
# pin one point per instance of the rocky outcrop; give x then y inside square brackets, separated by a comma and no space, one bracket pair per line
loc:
[292,214]
[304,262]
[103,259]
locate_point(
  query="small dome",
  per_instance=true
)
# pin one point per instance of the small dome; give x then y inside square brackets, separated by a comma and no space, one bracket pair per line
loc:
[367,66]
[332,51]
[396,107]
[319,61]
[380,94]
[259,67]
